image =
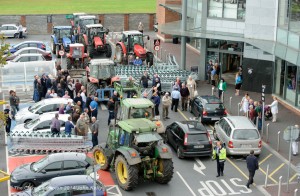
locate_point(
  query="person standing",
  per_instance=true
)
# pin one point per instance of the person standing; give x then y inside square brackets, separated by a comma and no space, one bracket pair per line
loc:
[95,128]
[192,86]
[258,112]
[157,86]
[8,117]
[209,68]
[77,86]
[12,103]
[94,107]
[89,99]
[274,109]
[238,83]
[252,165]
[184,93]
[175,95]
[144,80]
[35,89]
[81,127]
[222,88]
[66,95]
[141,27]
[219,154]
[295,143]
[166,102]
[129,84]
[17,99]
[69,126]
[61,109]
[83,97]
[55,125]
[111,110]
[156,100]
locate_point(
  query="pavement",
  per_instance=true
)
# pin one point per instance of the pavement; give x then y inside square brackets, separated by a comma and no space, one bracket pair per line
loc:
[197,176]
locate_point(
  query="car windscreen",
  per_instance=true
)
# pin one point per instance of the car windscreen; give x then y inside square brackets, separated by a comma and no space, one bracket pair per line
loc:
[40,164]
[36,106]
[214,106]
[193,138]
[193,126]
[141,113]
[41,190]
[245,134]
[147,137]
[32,123]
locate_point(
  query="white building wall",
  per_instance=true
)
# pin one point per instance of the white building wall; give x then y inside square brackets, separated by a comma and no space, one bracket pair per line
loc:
[226,26]
[255,53]
[261,19]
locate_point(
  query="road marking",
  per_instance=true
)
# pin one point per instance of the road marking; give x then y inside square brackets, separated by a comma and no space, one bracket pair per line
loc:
[270,177]
[199,168]
[278,168]
[262,161]
[182,114]
[293,177]
[236,167]
[186,184]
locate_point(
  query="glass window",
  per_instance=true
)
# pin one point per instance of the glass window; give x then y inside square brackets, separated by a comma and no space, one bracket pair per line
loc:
[11,28]
[81,189]
[56,166]
[197,137]
[234,9]
[227,129]
[47,108]
[44,125]
[70,165]
[295,16]
[32,45]
[4,28]
[291,83]
[23,59]
[216,8]
[245,134]
[23,46]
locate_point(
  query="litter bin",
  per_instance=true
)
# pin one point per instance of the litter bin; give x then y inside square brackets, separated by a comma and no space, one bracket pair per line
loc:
[175,40]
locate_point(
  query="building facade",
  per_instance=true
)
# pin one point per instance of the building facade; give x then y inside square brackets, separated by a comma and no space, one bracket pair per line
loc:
[262,36]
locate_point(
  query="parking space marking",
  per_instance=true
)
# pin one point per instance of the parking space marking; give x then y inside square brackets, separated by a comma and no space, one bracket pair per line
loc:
[293,177]
[278,168]
[266,158]
[239,170]
[270,177]
[182,114]
[186,184]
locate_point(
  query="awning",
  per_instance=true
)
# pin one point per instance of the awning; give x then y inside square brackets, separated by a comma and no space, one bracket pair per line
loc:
[172,7]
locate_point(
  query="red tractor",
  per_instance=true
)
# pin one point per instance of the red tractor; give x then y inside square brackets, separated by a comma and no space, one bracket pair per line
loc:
[132,43]
[94,40]
[76,58]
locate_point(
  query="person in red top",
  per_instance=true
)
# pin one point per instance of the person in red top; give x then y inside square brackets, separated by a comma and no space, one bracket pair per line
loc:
[77,86]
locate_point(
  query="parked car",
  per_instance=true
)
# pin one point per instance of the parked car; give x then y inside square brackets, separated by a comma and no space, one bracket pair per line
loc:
[36,44]
[27,58]
[46,105]
[13,30]
[67,186]
[239,134]
[208,108]
[40,124]
[51,166]
[30,50]
[189,139]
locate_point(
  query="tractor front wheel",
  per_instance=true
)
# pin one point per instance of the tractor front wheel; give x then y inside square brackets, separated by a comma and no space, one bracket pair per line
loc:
[149,58]
[164,171]
[127,175]
[108,50]
[101,158]
[90,51]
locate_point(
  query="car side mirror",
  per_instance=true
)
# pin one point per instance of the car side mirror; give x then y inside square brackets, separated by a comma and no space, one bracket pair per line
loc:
[43,171]
[40,112]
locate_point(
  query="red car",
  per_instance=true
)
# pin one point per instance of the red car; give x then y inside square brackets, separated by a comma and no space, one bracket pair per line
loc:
[31,50]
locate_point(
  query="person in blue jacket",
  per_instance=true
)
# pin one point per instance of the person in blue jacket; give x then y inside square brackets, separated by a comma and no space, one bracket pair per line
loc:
[69,126]
[156,100]
[137,61]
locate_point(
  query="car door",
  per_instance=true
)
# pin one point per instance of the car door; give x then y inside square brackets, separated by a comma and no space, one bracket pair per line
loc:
[61,191]
[171,132]
[50,171]
[72,167]
[4,31]
[46,109]
[43,127]
[11,30]
[219,128]
[195,106]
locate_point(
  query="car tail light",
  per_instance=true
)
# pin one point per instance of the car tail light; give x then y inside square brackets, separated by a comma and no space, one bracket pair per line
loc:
[49,55]
[209,139]
[259,144]
[185,139]
[225,112]
[230,144]
[204,113]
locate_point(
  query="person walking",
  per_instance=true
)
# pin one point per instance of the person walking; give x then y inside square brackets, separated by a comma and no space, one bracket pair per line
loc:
[95,129]
[295,143]
[8,117]
[94,107]
[166,102]
[219,154]
[274,109]
[245,104]
[55,125]
[222,88]
[184,93]
[252,165]
[141,27]
[175,95]
[156,100]
[111,110]
[69,126]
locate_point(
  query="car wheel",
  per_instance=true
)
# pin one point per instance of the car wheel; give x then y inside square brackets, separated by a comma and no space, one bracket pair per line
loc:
[179,153]
[27,185]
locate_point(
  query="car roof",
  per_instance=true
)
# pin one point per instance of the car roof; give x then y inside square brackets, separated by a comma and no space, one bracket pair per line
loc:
[62,27]
[70,180]
[67,156]
[9,25]
[57,100]
[93,25]
[132,33]
[189,125]
[210,99]
[79,13]
[240,122]
[31,48]
[50,116]
[138,103]
[26,42]
[137,124]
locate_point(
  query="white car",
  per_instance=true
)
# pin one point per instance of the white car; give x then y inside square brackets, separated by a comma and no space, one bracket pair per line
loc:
[13,30]
[40,124]
[27,58]
[41,107]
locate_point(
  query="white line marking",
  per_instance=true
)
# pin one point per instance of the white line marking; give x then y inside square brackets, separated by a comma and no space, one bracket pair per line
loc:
[186,184]
[199,168]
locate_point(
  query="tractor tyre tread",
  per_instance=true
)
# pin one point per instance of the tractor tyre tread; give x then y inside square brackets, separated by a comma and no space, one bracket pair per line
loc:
[104,167]
[108,51]
[168,170]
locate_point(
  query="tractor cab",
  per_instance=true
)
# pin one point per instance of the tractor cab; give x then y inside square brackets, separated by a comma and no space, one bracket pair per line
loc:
[76,58]
[62,37]
[132,38]
[85,20]
[95,30]
[101,71]
[74,21]
[77,50]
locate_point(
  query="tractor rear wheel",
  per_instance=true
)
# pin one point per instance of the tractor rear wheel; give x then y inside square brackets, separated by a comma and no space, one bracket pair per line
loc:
[100,158]
[91,88]
[69,64]
[149,58]
[119,53]
[108,50]
[127,175]
[90,51]
[165,171]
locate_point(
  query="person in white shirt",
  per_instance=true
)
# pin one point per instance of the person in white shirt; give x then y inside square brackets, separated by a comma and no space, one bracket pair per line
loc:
[83,96]
[274,109]
[53,93]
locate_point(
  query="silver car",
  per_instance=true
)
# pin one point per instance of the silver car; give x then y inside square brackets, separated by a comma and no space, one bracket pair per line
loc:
[27,58]
[239,135]
[40,124]
[41,107]
[13,30]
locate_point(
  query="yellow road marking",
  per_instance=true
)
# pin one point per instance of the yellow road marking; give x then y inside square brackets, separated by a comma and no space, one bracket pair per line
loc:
[278,168]
[293,177]
[182,114]
[268,176]
[262,161]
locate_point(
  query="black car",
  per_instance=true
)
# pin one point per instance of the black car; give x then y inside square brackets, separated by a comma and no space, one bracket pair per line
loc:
[189,139]
[54,165]
[66,186]
[208,108]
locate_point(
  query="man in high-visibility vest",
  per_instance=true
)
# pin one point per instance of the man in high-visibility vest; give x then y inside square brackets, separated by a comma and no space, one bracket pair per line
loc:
[219,154]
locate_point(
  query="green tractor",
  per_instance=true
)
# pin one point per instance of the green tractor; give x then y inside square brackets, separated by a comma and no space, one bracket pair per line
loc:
[135,150]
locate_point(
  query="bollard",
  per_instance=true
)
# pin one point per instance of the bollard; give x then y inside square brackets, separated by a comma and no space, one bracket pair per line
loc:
[212,90]
[295,192]
[239,105]
[278,141]
[267,174]
[279,186]
[247,114]
[267,133]
[230,100]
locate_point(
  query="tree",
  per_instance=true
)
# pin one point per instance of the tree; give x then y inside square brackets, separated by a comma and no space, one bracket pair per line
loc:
[4,52]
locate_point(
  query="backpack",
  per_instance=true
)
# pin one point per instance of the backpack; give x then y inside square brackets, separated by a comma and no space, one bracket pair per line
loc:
[239,79]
